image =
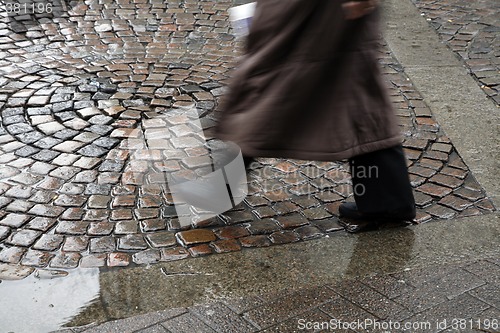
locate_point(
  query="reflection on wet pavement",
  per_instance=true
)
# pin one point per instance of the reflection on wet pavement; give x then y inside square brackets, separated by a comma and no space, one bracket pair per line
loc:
[95,296]
[40,305]
[88,296]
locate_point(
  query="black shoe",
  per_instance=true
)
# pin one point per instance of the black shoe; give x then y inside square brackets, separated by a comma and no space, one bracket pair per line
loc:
[248,161]
[355,221]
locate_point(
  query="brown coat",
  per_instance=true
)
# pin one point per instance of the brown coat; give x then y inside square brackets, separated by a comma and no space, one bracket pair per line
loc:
[309,86]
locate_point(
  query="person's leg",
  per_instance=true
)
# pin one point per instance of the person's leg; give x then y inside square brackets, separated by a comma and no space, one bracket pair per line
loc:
[248,161]
[381,187]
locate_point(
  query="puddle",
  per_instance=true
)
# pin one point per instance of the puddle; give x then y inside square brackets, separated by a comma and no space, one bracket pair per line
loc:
[40,305]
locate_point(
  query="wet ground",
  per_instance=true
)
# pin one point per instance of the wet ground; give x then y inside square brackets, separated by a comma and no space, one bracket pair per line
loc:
[81,188]
[83,154]
[401,274]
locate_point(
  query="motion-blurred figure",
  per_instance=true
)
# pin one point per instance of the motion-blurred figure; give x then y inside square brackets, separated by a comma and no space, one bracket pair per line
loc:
[309,87]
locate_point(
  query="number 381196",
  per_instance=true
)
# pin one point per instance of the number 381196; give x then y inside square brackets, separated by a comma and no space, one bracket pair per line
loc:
[28,8]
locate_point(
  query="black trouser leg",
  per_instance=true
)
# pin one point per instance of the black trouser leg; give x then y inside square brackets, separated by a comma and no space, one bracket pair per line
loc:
[381,182]
[247,161]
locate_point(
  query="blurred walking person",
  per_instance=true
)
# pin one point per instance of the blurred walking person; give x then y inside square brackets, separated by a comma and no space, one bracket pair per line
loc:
[309,87]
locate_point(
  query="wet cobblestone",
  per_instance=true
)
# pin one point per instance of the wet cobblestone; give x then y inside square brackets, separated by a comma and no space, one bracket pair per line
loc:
[471,30]
[79,188]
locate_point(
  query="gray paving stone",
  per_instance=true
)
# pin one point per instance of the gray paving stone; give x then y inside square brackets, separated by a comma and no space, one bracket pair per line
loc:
[111,166]
[19,206]
[19,148]
[93,260]
[47,143]
[19,192]
[106,142]
[102,244]
[132,242]
[62,106]
[75,243]
[65,200]
[464,306]
[64,172]
[86,176]
[148,256]
[99,201]
[136,323]
[92,151]
[50,128]
[4,232]
[26,178]
[86,162]
[23,237]
[46,210]
[65,260]
[455,283]
[283,308]
[72,189]
[72,227]
[45,155]
[41,168]
[100,228]
[14,272]
[485,269]
[96,215]
[36,258]
[89,112]
[69,146]
[489,293]
[64,159]
[100,129]
[95,189]
[66,134]
[12,254]
[48,242]
[19,128]
[14,220]
[372,301]
[186,322]
[126,227]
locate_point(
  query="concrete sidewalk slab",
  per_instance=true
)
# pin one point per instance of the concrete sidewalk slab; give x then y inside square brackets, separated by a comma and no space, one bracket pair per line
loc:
[426,273]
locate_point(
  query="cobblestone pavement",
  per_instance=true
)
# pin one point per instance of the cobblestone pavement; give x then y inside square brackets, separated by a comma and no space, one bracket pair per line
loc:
[80,94]
[472,30]
[446,298]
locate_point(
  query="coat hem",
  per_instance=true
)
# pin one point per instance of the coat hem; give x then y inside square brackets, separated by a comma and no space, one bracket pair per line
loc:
[322,156]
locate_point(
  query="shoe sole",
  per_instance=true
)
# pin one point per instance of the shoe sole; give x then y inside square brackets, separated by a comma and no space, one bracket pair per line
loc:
[356,226]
